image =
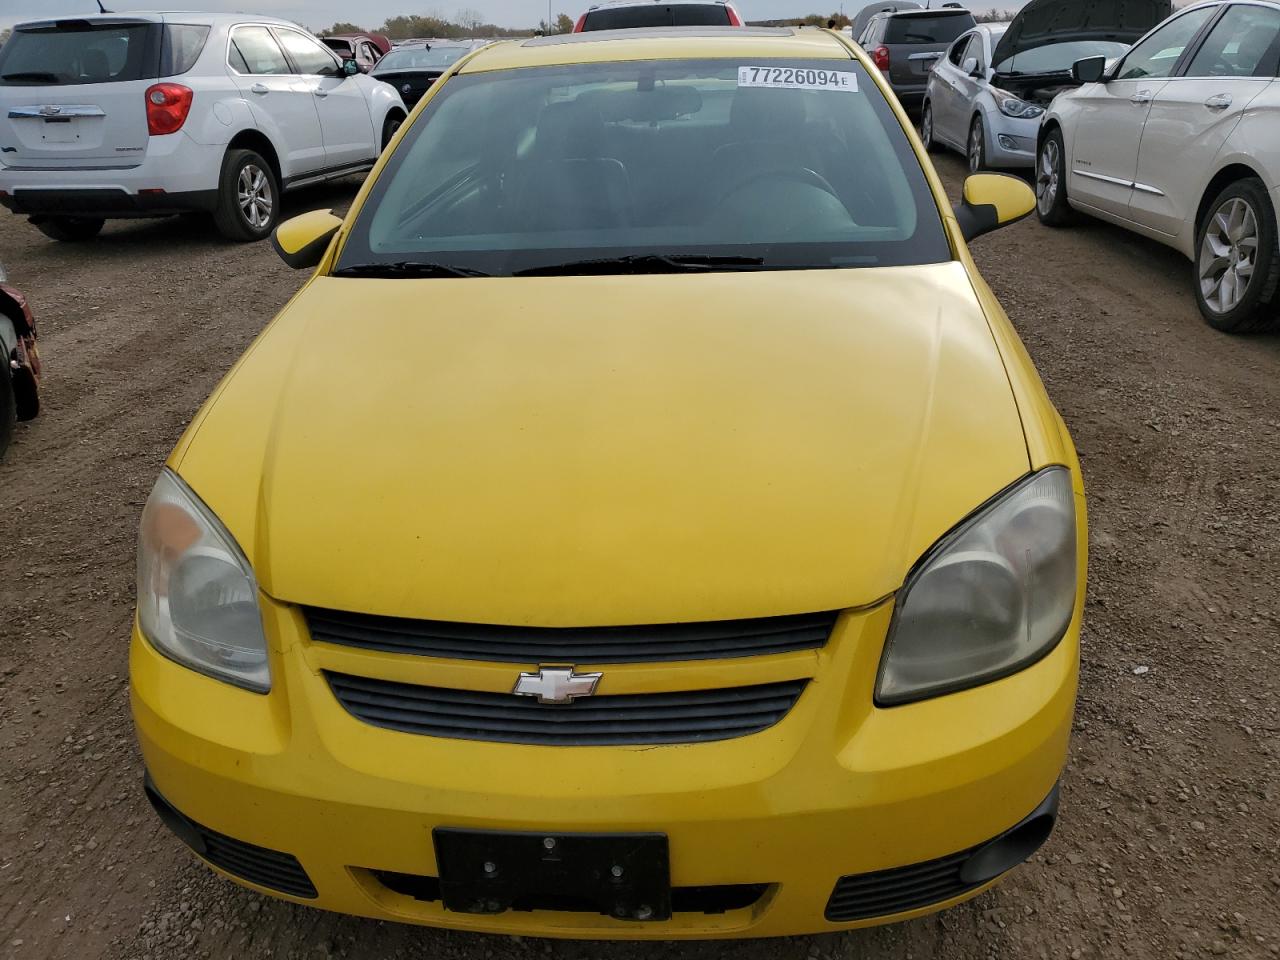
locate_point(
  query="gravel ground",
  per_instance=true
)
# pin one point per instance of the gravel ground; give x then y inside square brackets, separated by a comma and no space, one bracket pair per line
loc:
[1169,843]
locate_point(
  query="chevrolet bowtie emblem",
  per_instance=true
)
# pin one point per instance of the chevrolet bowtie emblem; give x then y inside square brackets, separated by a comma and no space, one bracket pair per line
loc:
[556,685]
[50,111]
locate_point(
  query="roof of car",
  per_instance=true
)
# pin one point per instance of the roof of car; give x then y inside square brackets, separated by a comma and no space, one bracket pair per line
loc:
[935,12]
[164,16]
[609,4]
[660,43]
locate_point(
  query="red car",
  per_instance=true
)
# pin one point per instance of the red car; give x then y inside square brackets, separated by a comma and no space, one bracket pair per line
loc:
[20,381]
[627,14]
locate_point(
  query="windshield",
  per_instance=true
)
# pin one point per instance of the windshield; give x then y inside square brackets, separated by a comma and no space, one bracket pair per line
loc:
[80,51]
[421,57]
[657,158]
[931,28]
[1058,57]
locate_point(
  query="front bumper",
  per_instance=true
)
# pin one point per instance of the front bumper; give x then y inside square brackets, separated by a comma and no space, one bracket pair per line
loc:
[177,175]
[837,789]
[1011,141]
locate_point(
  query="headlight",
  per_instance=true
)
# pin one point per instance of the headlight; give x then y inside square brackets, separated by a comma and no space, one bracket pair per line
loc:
[197,596]
[1011,106]
[990,598]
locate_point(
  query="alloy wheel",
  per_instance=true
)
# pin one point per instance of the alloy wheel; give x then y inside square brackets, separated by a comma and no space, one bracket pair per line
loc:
[1047,177]
[975,146]
[1228,254]
[926,127]
[254,191]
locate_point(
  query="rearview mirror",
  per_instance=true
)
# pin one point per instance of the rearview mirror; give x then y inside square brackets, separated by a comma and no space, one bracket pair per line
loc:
[991,201]
[302,240]
[350,68]
[970,67]
[1089,70]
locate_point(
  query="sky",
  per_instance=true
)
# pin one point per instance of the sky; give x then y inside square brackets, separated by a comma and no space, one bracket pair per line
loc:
[369,13]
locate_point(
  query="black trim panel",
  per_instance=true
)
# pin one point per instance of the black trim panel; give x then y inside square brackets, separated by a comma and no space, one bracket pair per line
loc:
[109,203]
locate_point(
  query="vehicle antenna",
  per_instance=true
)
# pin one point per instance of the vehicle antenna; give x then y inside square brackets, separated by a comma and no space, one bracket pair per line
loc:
[101,8]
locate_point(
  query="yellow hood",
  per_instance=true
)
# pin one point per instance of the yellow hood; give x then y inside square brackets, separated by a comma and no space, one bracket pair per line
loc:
[608,450]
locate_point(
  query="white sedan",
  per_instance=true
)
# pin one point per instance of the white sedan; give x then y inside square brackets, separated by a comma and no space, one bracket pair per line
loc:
[1180,141]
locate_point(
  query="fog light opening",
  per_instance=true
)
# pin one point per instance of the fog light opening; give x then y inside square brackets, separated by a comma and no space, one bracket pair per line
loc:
[1014,846]
[1007,143]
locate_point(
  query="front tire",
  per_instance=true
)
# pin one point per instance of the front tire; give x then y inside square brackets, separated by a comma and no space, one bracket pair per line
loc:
[1238,260]
[248,197]
[926,129]
[70,229]
[8,409]
[977,151]
[1052,208]
[394,121]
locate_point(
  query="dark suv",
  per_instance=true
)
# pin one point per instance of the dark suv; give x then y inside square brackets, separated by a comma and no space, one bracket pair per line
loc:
[906,44]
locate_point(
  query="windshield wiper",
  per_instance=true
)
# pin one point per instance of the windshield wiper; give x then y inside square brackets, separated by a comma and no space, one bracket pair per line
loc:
[643,263]
[404,269]
[41,76]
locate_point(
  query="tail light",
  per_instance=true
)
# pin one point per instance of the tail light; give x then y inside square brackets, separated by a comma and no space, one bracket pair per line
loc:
[167,107]
[734,19]
[880,57]
[582,22]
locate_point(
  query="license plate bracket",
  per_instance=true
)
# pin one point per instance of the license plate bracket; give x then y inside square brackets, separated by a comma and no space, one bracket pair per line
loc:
[622,875]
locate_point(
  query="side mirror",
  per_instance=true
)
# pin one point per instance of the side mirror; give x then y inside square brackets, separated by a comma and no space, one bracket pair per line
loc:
[1089,70]
[350,68]
[991,201]
[970,67]
[302,240]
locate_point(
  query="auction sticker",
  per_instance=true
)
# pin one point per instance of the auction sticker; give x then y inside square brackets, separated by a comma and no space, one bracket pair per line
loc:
[797,78]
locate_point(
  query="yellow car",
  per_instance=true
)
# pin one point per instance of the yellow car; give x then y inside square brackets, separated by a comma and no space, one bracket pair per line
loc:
[645,523]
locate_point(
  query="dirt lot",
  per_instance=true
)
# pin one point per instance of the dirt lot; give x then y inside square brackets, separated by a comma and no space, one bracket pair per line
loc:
[1169,844]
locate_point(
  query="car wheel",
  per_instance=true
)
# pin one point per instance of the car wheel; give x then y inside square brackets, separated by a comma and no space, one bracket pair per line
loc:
[977,146]
[8,410]
[248,197]
[1051,181]
[1238,260]
[70,229]
[926,129]
[389,127]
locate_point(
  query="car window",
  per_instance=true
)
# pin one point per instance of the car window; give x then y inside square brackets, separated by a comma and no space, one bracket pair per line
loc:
[935,28]
[183,43]
[957,52]
[85,52]
[368,55]
[1244,43]
[421,57]
[1158,54]
[658,15]
[310,56]
[253,50]
[656,158]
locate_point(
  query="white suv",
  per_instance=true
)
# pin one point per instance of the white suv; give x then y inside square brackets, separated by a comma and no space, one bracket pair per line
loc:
[155,114]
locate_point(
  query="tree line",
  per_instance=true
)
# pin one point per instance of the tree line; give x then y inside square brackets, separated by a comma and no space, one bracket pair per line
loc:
[465,23]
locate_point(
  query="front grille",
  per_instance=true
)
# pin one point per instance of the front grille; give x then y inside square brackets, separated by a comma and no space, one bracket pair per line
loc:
[885,892]
[260,865]
[630,644]
[689,716]
[709,900]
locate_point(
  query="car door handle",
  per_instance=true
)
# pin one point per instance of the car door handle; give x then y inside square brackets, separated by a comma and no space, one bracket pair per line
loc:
[1141,97]
[259,88]
[1218,101]
[321,93]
